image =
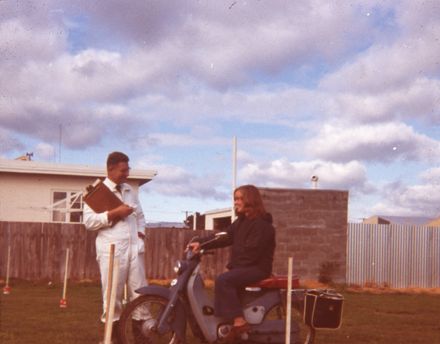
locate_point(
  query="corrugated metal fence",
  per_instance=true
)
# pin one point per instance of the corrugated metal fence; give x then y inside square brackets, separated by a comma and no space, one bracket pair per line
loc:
[393,255]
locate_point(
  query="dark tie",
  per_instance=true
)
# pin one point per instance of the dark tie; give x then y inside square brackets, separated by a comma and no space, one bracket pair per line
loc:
[118,188]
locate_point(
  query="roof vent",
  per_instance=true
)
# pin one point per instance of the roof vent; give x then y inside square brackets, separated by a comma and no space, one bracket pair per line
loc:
[314,180]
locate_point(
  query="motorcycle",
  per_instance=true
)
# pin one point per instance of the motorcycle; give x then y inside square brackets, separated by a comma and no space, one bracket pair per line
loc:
[161,315]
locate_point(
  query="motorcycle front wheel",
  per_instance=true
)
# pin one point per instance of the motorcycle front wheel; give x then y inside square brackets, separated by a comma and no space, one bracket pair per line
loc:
[138,322]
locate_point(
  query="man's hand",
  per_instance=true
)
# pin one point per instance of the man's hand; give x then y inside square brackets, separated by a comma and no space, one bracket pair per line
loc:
[141,235]
[120,212]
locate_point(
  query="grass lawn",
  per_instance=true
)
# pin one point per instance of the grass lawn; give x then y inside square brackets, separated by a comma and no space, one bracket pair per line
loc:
[31,314]
[387,318]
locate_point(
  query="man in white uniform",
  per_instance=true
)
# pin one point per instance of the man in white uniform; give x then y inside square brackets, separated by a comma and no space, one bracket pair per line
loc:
[123,226]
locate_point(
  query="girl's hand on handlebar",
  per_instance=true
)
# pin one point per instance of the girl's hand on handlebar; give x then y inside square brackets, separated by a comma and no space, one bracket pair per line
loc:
[193,246]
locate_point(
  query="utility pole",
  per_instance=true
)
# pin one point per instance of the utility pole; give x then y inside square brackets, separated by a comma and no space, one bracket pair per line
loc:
[195,221]
[234,174]
[59,142]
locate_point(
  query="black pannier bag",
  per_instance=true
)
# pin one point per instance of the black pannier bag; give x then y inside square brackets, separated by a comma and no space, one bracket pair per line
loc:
[323,309]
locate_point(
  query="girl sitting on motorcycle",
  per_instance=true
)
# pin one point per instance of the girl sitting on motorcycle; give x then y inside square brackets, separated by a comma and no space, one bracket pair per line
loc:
[252,237]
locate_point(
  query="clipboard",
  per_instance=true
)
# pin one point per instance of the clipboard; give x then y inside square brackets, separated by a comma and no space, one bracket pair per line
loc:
[100,198]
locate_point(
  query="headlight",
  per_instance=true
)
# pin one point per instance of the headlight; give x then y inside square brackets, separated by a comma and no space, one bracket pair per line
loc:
[178,267]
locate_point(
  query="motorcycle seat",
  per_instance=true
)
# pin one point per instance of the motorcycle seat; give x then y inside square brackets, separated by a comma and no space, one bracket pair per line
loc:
[276,282]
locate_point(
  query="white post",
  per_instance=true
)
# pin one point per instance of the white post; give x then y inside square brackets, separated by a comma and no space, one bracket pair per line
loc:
[111,306]
[8,266]
[234,174]
[289,300]
[7,288]
[63,301]
[125,300]
[109,282]
[109,291]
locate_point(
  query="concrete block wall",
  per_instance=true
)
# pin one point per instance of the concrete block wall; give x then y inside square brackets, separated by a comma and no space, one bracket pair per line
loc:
[311,227]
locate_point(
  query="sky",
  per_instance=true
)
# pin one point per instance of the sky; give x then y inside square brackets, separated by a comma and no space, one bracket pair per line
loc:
[348,91]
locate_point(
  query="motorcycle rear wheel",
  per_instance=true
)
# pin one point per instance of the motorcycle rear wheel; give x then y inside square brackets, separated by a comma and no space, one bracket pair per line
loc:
[133,331]
[306,333]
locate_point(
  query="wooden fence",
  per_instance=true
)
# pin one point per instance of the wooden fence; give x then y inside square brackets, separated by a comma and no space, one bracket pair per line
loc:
[38,251]
[397,256]
[164,246]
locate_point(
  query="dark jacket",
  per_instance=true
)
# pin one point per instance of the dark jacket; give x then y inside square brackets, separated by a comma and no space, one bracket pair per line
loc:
[252,240]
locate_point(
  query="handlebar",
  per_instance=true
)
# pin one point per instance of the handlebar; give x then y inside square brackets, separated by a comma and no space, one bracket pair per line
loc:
[190,254]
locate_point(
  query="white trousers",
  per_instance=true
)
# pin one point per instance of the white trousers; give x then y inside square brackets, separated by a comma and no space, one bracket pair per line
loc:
[131,272]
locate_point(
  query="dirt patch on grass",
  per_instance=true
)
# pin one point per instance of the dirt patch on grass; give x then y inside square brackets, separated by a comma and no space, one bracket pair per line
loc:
[388,290]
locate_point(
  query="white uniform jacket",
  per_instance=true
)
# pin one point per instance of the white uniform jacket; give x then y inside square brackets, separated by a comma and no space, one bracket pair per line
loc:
[124,234]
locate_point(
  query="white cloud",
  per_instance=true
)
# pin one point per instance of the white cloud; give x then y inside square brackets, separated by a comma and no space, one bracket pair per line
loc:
[220,44]
[397,77]
[180,140]
[284,105]
[419,99]
[177,182]
[44,151]
[379,142]
[431,176]
[415,17]
[79,92]
[412,200]
[244,158]
[8,142]
[166,78]
[383,68]
[283,173]
[22,43]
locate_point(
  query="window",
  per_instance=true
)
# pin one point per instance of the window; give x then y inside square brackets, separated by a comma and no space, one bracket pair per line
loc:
[67,206]
[222,222]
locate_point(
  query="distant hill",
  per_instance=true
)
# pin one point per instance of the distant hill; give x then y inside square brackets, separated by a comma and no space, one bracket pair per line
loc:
[165,225]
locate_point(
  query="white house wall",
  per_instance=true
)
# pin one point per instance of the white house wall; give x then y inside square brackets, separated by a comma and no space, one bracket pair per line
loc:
[209,217]
[25,197]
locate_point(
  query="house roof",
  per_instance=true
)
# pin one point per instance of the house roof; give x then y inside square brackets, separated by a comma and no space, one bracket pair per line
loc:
[434,222]
[37,167]
[402,220]
[218,211]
